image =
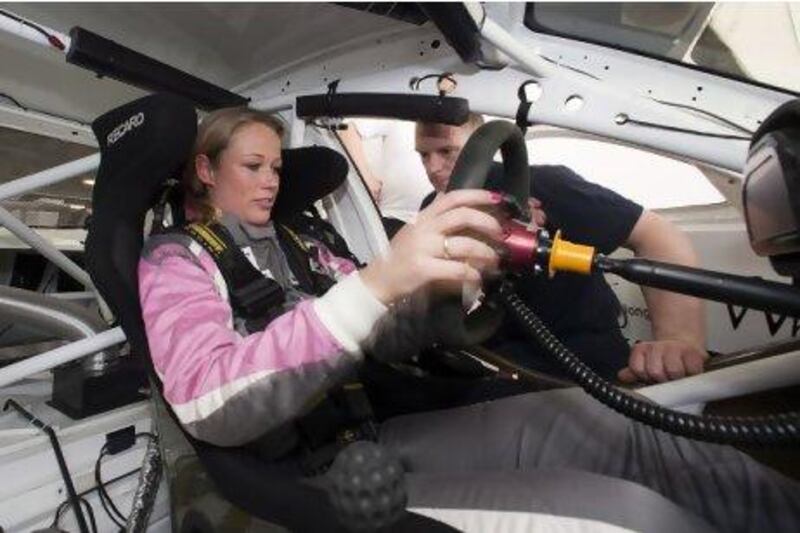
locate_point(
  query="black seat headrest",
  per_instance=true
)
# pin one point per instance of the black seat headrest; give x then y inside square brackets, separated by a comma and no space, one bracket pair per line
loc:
[309,173]
[142,144]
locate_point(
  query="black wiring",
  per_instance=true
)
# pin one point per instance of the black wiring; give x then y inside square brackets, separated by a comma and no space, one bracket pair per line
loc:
[54,41]
[13,101]
[90,513]
[63,505]
[415,82]
[624,119]
[722,119]
[106,502]
[41,112]
[568,67]
[62,464]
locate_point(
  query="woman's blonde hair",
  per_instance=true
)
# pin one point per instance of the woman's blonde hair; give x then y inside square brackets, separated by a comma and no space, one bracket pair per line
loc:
[213,136]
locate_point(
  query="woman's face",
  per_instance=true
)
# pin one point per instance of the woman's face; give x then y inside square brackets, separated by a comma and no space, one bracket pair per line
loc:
[245,180]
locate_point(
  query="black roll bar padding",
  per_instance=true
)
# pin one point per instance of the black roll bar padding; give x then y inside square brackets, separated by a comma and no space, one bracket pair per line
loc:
[413,107]
[108,58]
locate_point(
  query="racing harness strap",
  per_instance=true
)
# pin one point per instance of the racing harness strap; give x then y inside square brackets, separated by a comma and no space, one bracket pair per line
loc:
[254,297]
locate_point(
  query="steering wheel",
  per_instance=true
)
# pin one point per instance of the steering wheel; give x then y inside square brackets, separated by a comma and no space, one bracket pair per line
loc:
[459,329]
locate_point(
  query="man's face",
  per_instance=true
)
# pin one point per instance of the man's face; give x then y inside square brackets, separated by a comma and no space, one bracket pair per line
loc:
[439,146]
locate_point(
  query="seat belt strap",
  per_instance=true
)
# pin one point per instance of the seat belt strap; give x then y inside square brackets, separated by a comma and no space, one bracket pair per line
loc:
[253,295]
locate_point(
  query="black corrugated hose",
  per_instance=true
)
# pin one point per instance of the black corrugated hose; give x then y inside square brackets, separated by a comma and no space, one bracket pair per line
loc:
[779,429]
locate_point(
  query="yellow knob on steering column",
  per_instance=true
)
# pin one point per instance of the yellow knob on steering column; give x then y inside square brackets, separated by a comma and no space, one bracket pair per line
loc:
[567,256]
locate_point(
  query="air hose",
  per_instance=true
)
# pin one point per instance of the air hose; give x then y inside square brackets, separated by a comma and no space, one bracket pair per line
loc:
[779,429]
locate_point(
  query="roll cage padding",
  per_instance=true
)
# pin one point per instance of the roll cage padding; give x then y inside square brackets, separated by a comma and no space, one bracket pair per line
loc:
[412,107]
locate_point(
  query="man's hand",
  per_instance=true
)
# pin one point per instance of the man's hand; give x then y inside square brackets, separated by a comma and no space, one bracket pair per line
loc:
[660,361]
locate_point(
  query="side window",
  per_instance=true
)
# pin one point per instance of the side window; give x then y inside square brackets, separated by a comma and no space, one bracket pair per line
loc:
[652,180]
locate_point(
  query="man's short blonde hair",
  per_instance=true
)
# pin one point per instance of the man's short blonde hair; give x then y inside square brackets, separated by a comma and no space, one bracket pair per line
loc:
[474,121]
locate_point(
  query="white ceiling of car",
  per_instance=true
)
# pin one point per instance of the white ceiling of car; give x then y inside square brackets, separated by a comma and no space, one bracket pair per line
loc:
[224,43]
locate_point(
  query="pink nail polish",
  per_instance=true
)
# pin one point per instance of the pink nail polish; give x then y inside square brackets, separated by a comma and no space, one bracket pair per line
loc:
[496,197]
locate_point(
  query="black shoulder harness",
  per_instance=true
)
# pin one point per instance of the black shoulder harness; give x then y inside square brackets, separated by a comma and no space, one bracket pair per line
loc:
[253,296]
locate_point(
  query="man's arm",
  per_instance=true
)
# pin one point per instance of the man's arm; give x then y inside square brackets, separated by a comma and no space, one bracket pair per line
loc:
[352,141]
[678,321]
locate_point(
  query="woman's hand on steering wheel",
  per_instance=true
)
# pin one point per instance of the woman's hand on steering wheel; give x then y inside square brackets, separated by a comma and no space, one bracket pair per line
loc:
[447,246]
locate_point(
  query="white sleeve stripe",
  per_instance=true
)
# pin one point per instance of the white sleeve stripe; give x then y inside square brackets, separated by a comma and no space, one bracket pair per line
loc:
[349,311]
[205,405]
[478,520]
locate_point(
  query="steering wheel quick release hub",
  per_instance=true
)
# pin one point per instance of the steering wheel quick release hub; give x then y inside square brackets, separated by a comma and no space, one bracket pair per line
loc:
[567,256]
[525,248]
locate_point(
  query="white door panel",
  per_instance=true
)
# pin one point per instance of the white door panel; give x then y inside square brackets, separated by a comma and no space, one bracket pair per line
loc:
[721,245]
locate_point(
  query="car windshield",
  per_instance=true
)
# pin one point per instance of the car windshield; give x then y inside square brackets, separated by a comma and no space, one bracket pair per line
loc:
[755,42]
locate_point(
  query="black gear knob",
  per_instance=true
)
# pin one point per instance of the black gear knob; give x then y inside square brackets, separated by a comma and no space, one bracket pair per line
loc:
[367,487]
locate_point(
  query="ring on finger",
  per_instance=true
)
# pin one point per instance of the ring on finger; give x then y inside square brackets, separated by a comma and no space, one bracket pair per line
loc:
[446,247]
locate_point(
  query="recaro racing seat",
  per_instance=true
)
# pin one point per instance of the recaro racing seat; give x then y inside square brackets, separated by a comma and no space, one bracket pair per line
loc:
[144,144]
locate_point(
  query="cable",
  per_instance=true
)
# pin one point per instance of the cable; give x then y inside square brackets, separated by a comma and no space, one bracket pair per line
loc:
[415,82]
[722,119]
[622,119]
[63,505]
[13,101]
[568,67]
[90,512]
[62,464]
[109,507]
[773,429]
[41,112]
[52,39]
